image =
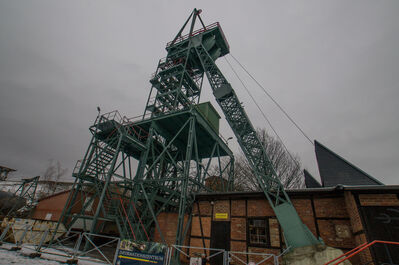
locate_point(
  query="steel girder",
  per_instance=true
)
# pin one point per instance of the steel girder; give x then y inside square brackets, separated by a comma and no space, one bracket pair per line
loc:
[295,232]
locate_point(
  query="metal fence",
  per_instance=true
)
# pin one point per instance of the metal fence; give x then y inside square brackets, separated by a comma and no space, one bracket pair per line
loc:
[70,248]
[74,246]
[228,257]
[209,253]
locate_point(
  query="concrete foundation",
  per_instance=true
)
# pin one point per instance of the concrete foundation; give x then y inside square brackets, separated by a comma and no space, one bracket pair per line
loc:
[312,255]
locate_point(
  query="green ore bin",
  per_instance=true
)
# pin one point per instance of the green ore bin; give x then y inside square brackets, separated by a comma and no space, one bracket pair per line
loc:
[210,114]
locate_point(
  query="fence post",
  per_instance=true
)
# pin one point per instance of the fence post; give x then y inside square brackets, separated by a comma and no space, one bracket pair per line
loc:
[117,250]
[389,254]
[169,255]
[42,239]
[19,242]
[275,259]
[3,235]
[77,246]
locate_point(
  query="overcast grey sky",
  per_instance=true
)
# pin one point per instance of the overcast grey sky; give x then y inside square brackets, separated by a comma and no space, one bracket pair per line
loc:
[333,65]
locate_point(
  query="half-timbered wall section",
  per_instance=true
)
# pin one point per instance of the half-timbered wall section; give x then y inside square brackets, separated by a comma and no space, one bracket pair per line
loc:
[343,218]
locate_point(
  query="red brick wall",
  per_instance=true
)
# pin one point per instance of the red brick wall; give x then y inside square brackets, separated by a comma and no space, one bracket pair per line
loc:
[237,207]
[221,207]
[305,212]
[54,205]
[168,224]
[196,226]
[378,200]
[259,207]
[238,228]
[330,207]
[334,217]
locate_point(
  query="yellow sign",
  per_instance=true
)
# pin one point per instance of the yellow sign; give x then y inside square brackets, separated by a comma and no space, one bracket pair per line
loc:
[221,216]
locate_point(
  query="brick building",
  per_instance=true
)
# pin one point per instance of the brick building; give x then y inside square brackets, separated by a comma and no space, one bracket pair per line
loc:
[343,217]
[50,208]
[347,209]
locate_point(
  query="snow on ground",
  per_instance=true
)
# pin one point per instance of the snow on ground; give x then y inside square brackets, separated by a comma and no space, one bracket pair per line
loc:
[8,257]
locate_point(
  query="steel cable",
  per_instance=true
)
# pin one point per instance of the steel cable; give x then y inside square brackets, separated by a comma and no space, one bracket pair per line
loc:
[263,114]
[274,101]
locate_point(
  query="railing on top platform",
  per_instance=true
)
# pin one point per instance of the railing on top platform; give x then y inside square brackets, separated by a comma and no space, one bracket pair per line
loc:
[197,32]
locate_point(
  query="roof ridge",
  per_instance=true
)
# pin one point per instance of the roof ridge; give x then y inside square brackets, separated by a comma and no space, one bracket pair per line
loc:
[345,161]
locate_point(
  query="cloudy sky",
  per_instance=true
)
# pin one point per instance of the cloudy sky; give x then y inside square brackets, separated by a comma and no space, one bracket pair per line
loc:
[333,65]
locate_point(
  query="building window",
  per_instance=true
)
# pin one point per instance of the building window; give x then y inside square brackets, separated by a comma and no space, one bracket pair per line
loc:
[258,232]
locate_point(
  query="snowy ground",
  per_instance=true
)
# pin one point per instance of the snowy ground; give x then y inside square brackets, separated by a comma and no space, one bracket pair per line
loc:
[12,257]
[8,257]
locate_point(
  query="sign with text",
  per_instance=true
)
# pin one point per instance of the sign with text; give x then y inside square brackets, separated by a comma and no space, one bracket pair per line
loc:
[221,216]
[140,253]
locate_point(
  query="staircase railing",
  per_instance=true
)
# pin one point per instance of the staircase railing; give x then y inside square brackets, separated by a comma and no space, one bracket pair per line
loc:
[357,250]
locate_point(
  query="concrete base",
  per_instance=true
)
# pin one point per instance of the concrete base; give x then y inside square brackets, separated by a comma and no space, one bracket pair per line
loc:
[312,255]
[15,248]
[72,261]
[34,255]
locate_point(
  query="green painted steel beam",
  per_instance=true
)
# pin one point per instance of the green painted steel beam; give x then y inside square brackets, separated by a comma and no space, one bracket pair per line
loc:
[295,232]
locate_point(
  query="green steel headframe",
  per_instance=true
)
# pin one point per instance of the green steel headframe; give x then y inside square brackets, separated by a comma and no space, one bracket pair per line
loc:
[204,47]
[134,170]
[295,232]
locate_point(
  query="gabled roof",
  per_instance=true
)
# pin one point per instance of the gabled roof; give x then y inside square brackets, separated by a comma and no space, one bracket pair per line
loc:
[310,181]
[335,170]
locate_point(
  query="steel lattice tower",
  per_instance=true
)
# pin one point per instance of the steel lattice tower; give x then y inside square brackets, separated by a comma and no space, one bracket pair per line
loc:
[176,144]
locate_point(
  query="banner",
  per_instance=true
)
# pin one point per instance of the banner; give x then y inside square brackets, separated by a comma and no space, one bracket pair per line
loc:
[140,253]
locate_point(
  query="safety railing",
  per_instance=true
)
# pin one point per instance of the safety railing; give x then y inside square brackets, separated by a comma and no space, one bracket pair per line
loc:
[75,246]
[166,63]
[228,257]
[122,122]
[99,249]
[197,32]
[112,115]
[71,247]
[78,166]
[264,257]
[213,252]
[357,250]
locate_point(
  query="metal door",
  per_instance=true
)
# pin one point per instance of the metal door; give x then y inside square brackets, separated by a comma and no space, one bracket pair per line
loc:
[220,239]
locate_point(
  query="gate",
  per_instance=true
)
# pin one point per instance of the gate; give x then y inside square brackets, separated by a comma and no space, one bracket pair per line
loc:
[227,257]
[208,255]
[259,258]
[239,258]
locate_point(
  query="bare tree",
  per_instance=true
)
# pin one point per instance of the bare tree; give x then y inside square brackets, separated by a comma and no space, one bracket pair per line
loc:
[51,176]
[287,167]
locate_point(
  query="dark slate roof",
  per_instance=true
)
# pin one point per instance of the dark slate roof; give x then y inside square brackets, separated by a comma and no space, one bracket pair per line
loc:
[335,170]
[310,181]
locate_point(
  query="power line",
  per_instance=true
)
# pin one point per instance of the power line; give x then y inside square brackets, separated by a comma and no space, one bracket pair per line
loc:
[263,114]
[274,101]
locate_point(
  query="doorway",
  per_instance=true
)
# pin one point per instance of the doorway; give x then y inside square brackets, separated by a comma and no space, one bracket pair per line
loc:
[220,239]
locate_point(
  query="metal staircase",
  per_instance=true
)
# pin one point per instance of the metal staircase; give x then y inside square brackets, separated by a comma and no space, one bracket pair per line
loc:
[96,181]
